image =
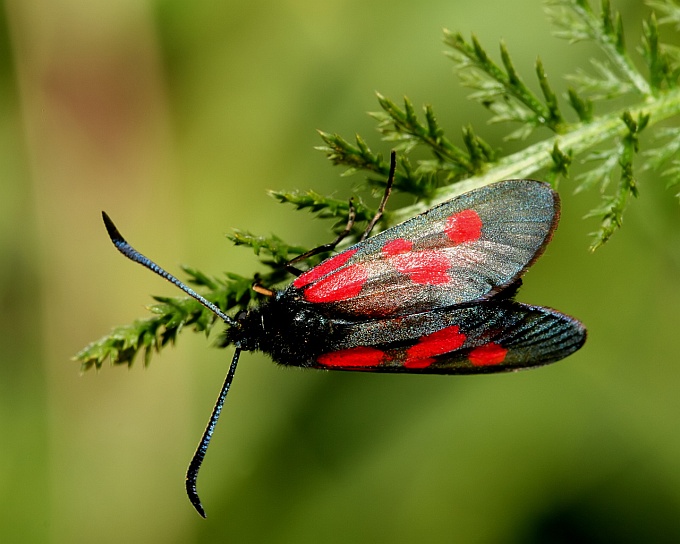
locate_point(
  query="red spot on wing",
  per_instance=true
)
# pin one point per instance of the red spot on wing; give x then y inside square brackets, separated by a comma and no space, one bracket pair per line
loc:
[427,267]
[398,246]
[488,354]
[361,356]
[418,363]
[323,268]
[442,341]
[341,285]
[464,226]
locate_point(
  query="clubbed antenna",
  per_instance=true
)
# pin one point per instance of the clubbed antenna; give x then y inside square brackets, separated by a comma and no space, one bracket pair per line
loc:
[134,255]
[196,461]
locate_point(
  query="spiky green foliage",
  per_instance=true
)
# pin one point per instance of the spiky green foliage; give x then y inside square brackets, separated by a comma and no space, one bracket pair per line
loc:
[584,130]
[170,316]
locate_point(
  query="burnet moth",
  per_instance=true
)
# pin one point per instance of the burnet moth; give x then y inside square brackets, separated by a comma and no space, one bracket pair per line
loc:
[432,295]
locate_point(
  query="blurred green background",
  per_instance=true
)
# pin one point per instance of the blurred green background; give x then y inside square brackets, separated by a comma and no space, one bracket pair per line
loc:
[176,117]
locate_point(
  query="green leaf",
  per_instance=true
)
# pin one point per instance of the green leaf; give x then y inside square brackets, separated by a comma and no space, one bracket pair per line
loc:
[669,9]
[271,246]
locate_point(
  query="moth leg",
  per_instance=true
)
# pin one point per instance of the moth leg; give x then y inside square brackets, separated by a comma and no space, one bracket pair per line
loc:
[351,217]
[386,195]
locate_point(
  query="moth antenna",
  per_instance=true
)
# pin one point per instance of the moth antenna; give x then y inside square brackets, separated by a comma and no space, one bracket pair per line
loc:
[134,255]
[386,196]
[197,459]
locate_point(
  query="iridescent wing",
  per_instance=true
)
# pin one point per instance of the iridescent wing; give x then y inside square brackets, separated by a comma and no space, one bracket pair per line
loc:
[494,336]
[463,250]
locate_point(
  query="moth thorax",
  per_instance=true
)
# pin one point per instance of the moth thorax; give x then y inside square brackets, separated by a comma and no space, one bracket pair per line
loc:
[283,327]
[247,331]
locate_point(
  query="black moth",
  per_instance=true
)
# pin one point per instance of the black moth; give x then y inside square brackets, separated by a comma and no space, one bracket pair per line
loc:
[433,295]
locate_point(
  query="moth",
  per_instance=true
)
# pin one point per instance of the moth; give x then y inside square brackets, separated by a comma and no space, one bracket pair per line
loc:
[432,295]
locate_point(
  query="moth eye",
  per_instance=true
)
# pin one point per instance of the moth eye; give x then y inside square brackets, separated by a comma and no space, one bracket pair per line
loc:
[241,315]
